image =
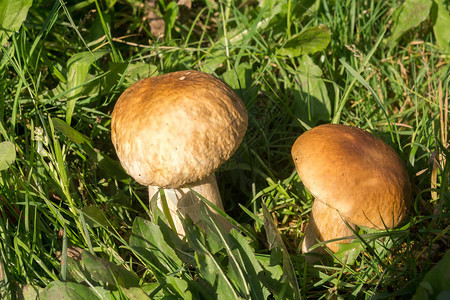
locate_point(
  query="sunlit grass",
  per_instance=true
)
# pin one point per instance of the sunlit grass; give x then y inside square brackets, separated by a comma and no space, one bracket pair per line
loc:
[69,63]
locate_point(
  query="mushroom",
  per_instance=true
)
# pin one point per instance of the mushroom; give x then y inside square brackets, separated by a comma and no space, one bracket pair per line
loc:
[356,180]
[173,131]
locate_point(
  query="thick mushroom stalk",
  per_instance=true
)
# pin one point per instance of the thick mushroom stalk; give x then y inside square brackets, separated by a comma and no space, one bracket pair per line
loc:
[187,203]
[325,224]
[354,176]
[173,131]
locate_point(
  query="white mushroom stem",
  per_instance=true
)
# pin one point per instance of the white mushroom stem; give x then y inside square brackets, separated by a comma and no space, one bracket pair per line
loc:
[184,201]
[325,223]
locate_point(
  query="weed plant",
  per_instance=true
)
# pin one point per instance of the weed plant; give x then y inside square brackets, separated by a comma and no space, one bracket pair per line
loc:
[74,224]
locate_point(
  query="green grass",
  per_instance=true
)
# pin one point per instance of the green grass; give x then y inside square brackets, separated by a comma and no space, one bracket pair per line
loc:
[63,70]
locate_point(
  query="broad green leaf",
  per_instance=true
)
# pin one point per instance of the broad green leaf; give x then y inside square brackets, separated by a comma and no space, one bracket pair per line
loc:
[272,14]
[129,72]
[211,271]
[349,252]
[208,265]
[85,267]
[271,275]
[441,26]
[215,57]
[148,240]
[96,31]
[95,216]
[75,270]
[7,154]
[68,290]
[138,71]
[135,293]
[78,69]
[282,14]
[107,165]
[69,132]
[208,270]
[435,284]
[28,292]
[170,17]
[179,286]
[105,271]
[276,242]
[307,42]
[182,249]
[240,79]
[312,103]
[237,37]
[240,274]
[409,15]
[12,15]
[251,265]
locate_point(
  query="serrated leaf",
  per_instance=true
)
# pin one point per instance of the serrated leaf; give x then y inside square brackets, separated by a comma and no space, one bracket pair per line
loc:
[7,154]
[12,15]
[312,103]
[307,42]
[409,15]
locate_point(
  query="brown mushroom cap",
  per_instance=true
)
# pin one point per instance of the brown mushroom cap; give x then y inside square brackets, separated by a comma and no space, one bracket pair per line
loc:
[355,173]
[175,129]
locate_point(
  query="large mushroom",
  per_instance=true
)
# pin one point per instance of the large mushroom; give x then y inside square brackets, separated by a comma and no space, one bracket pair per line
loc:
[356,180]
[173,131]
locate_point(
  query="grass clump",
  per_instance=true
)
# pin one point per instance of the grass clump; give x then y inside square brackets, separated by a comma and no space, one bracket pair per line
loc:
[72,220]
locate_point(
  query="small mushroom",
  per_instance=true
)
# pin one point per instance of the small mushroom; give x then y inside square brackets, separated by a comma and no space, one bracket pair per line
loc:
[173,131]
[353,176]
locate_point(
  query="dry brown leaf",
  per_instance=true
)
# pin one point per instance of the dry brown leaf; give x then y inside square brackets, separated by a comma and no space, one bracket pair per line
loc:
[157,24]
[187,3]
[72,252]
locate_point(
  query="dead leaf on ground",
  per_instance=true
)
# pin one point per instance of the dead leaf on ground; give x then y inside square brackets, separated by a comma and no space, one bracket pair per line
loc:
[156,22]
[187,3]
[73,252]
